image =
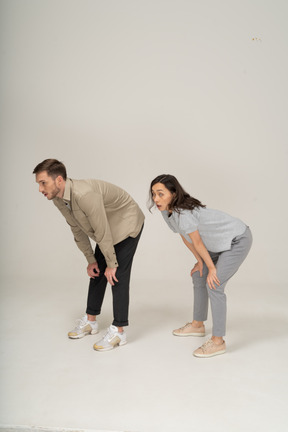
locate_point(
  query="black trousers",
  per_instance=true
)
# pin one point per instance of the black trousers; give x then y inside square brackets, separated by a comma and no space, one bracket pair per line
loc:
[125,251]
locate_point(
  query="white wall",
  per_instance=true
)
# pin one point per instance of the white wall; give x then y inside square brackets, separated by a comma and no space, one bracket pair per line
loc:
[126,90]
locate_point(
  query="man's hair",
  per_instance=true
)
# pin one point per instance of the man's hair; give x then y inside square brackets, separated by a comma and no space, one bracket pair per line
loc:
[53,167]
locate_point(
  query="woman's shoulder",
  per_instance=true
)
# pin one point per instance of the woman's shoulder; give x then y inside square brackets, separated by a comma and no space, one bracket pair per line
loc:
[191,213]
[187,217]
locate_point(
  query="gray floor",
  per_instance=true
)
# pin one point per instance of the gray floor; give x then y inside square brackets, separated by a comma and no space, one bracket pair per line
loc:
[153,383]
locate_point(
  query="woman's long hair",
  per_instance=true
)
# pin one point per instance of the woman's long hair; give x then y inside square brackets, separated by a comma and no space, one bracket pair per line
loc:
[181,199]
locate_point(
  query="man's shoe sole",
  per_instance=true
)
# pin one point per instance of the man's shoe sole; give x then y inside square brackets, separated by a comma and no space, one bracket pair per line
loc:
[109,348]
[81,335]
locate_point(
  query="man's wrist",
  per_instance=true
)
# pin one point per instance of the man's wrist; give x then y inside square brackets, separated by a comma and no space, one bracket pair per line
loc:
[112,264]
[91,260]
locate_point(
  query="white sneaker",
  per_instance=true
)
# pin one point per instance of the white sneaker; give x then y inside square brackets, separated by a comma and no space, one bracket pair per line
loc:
[111,339]
[83,328]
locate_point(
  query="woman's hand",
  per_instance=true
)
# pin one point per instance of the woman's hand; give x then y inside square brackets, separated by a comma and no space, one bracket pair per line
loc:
[197,267]
[212,278]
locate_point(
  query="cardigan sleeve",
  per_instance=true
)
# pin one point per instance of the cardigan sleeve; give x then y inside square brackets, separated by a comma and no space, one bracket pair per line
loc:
[92,206]
[81,239]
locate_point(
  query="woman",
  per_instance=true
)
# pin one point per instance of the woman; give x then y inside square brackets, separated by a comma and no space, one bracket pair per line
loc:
[219,242]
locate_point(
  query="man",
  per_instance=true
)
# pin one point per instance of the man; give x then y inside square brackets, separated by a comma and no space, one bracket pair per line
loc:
[108,215]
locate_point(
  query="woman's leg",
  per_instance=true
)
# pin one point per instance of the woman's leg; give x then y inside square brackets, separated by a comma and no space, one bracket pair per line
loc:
[227,265]
[200,308]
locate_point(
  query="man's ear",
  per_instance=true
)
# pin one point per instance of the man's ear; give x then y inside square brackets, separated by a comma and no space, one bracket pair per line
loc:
[59,180]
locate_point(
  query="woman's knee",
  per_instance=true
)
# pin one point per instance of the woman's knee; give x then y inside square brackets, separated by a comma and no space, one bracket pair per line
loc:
[199,281]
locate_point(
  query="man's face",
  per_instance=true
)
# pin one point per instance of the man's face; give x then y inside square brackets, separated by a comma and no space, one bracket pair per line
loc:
[47,185]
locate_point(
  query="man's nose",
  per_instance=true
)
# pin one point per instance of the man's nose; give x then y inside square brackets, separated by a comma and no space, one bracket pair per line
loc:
[40,188]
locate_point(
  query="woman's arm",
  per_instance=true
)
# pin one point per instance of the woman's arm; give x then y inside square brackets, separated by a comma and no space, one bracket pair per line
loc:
[204,254]
[192,248]
[199,265]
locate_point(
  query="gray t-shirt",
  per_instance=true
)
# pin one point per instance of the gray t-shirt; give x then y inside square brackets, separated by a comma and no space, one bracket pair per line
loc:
[217,229]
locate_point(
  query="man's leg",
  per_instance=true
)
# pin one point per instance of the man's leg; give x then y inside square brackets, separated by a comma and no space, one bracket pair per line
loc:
[125,251]
[88,324]
[115,335]
[97,287]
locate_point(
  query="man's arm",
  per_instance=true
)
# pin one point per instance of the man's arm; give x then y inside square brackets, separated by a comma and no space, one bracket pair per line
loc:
[83,243]
[81,239]
[93,207]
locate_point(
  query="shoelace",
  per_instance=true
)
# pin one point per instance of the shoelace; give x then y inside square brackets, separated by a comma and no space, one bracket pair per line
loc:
[109,335]
[81,322]
[186,325]
[207,344]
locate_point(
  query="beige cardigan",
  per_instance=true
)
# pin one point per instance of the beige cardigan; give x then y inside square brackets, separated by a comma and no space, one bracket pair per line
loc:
[101,211]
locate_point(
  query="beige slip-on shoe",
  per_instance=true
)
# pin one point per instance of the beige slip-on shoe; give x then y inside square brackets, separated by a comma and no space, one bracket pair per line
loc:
[210,349]
[189,330]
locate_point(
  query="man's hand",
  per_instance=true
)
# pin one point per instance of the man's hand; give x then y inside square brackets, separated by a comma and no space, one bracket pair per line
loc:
[90,270]
[110,274]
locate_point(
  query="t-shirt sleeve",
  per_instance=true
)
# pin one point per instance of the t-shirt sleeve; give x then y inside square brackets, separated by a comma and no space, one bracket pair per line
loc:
[188,222]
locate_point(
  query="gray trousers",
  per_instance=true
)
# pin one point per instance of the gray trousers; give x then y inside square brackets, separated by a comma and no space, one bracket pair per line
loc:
[227,264]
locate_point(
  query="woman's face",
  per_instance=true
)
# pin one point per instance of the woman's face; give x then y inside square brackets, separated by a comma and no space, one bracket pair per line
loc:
[161,196]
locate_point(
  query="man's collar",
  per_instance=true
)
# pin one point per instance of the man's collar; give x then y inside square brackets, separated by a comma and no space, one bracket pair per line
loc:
[67,190]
